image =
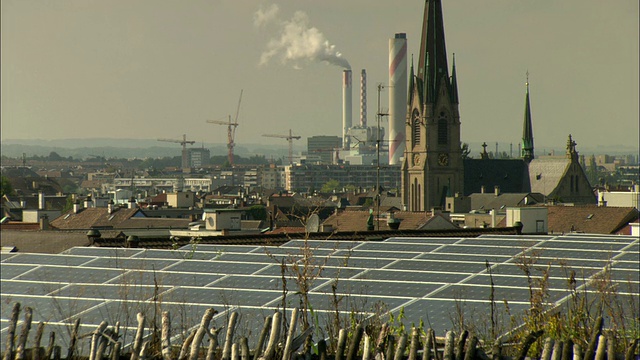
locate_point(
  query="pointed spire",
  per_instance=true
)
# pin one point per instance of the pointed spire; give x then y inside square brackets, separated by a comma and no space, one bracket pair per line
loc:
[454,82]
[411,82]
[527,129]
[432,64]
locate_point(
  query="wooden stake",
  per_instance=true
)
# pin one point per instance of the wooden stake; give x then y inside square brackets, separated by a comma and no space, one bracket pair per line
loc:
[546,349]
[590,352]
[263,336]
[273,337]
[137,343]
[166,336]
[352,353]
[526,343]
[213,343]
[391,343]
[202,330]
[52,342]
[449,345]
[601,350]
[228,341]
[11,334]
[95,338]
[286,353]
[244,348]
[234,352]
[428,345]
[186,345]
[415,343]
[342,340]
[74,338]
[459,352]
[471,349]
[402,344]
[26,326]
[366,348]
[36,352]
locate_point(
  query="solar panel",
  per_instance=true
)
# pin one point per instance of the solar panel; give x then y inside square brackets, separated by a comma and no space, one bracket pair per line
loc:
[47,259]
[166,278]
[10,271]
[429,278]
[70,274]
[216,267]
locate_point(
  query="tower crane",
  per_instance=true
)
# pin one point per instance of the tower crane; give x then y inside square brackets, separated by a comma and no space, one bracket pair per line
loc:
[183,142]
[290,139]
[231,130]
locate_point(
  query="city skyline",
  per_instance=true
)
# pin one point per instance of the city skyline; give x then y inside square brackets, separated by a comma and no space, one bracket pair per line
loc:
[78,69]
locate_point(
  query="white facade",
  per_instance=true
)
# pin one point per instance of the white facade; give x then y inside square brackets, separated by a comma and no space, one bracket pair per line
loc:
[222,219]
[535,220]
[621,198]
[181,199]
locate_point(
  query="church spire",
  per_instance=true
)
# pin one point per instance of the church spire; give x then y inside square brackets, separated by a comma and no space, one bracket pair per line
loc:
[527,130]
[432,65]
[454,82]
[411,82]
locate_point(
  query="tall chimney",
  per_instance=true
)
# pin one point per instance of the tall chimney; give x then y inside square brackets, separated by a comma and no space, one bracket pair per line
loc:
[397,97]
[40,200]
[87,202]
[76,206]
[347,113]
[363,98]
[132,203]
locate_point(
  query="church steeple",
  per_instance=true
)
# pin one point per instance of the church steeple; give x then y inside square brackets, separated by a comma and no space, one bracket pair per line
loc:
[527,130]
[454,82]
[432,65]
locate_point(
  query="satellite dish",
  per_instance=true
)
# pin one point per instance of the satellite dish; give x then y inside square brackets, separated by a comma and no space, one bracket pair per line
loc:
[313,223]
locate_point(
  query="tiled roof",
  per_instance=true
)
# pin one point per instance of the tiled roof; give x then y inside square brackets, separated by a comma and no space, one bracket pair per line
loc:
[357,220]
[279,239]
[509,174]
[489,201]
[590,219]
[154,223]
[92,217]
[545,174]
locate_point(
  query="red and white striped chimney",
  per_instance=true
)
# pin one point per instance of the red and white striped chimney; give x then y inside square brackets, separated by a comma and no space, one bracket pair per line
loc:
[397,97]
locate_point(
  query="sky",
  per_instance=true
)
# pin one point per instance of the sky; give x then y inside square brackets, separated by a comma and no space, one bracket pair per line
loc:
[160,68]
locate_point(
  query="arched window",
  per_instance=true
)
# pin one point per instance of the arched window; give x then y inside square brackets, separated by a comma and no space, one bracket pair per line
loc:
[415,126]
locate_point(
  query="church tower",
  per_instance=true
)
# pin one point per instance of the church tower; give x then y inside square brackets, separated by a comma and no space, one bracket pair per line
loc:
[432,167]
[527,129]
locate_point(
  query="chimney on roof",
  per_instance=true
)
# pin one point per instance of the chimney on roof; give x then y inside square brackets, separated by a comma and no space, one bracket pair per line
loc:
[493,217]
[132,203]
[76,206]
[601,201]
[88,202]
[40,200]
[110,206]
[496,190]
[482,189]
[44,222]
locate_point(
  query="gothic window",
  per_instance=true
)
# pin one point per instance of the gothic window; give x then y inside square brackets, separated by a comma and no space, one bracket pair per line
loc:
[443,131]
[415,126]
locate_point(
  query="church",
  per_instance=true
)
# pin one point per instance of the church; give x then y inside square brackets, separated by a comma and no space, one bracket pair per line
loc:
[434,168]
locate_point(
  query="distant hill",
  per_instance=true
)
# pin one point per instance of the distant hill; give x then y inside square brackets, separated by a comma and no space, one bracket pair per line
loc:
[123,148]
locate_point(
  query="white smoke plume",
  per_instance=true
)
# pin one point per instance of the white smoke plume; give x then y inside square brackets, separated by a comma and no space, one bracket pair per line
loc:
[297,42]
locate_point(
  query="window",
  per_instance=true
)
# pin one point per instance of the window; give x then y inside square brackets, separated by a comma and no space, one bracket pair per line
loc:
[443,132]
[540,226]
[415,126]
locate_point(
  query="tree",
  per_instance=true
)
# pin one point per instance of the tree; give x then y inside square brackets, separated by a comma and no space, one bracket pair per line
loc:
[257,212]
[5,187]
[330,186]
[464,151]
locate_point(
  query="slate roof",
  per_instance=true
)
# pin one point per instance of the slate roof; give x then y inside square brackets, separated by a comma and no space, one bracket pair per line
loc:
[511,175]
[590,219]
[545,174]
[357,220]
[93,218]
[491,201]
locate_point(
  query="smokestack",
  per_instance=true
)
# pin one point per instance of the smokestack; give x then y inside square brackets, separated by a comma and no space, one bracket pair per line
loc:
[397,97]
[40,200]
[363,98]
[346,107]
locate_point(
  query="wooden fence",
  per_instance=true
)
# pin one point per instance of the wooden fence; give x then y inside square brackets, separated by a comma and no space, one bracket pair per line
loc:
[104,344]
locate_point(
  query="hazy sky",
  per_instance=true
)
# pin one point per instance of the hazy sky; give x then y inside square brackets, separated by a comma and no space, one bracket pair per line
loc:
[159,69]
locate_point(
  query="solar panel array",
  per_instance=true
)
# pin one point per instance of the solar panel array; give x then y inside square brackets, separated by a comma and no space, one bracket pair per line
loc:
[438,280]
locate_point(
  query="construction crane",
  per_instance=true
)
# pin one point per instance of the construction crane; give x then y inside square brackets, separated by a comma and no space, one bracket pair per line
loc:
[290,139]
[183,142]
[231,129]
